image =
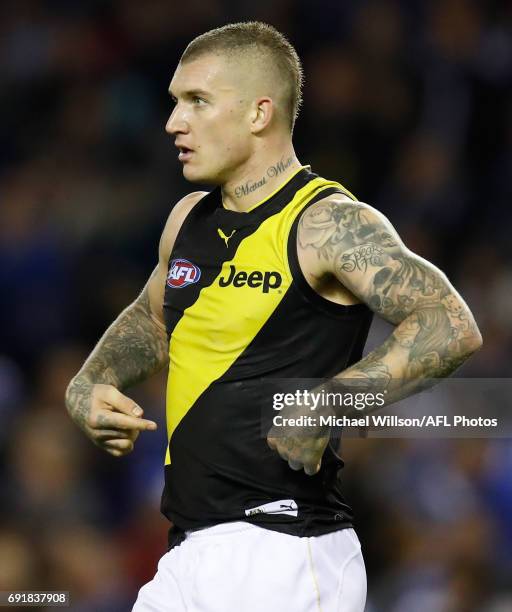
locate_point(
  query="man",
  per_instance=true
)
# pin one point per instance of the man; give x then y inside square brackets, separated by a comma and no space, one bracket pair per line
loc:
[272,275]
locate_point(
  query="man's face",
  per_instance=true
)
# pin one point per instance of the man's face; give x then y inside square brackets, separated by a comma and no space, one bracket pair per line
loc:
[211,119]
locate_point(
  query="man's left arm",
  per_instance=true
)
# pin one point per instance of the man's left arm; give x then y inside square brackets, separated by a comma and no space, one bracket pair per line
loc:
[435,331]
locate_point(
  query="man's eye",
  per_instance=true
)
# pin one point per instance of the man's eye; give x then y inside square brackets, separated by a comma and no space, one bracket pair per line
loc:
[197,100]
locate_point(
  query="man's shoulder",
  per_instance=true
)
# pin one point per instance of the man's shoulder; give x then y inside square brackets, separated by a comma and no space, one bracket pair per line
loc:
[175,220]
[338,222]
[186,204]
[331,183]
[183,207]
[338,207]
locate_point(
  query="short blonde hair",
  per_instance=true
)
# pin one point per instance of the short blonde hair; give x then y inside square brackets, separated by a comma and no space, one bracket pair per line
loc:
[265,42]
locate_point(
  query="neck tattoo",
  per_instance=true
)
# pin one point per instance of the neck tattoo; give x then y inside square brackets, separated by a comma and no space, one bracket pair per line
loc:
[272,172]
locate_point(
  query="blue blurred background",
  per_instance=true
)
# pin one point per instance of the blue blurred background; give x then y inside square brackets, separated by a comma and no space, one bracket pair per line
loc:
[408,104]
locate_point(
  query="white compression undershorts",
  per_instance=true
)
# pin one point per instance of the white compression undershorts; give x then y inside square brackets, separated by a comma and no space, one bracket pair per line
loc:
[238,567]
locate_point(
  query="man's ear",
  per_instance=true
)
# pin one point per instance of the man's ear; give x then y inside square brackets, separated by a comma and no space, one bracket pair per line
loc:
[261,114]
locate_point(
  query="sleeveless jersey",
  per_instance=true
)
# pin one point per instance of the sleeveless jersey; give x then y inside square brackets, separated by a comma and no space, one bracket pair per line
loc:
[239,312]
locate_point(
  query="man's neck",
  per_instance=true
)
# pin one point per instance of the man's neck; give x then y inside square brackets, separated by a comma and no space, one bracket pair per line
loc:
[259,180]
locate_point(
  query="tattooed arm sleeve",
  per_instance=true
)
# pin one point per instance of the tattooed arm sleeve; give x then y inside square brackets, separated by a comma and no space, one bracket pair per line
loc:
[435,331]
[133,348]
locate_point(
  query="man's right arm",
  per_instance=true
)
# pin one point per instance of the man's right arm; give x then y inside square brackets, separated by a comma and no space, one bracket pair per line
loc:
[132,349]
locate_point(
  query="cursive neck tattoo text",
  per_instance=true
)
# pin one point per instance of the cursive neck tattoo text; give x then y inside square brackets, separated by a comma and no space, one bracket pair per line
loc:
[272,172]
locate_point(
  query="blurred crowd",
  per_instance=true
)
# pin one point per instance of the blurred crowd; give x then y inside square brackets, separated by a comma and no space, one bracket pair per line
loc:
[407,103]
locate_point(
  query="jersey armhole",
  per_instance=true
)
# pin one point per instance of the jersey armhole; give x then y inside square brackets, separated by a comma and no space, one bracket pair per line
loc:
[302,285]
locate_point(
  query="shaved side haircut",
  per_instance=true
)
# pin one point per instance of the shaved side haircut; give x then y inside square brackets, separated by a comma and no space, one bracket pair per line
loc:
[265,46]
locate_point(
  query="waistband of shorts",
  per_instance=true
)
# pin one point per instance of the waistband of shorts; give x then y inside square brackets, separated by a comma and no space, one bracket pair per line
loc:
[221,529]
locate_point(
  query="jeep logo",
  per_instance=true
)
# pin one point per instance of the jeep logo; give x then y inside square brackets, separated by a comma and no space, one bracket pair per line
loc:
[265,280]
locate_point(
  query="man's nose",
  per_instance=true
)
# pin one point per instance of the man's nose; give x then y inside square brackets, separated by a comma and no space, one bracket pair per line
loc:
[176,124]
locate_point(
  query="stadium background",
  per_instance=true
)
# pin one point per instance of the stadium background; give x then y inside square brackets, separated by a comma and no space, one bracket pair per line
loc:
[408,104]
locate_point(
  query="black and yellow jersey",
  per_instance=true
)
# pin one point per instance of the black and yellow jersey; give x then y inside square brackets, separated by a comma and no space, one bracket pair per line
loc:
[239,312]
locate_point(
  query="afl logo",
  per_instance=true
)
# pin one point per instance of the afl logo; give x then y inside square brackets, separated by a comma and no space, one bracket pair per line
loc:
[182,273]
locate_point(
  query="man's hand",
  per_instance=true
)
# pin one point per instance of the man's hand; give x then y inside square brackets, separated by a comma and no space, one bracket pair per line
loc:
[109,418]
[302,446]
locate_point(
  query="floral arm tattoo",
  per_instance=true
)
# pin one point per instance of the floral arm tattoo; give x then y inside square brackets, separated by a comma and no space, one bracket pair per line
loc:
[435,331]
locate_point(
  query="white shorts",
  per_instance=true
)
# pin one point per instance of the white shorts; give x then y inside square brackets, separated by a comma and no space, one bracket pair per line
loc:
[238,567]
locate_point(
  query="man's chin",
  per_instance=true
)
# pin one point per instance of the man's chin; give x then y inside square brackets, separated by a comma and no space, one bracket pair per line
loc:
[194,175]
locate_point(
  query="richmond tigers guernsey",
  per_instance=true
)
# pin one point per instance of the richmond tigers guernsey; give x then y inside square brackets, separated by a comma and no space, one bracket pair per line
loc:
[239,312]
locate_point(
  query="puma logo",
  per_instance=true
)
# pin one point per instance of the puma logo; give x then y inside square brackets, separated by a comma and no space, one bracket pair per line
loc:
[288,506]
[281,506]
[224,237]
